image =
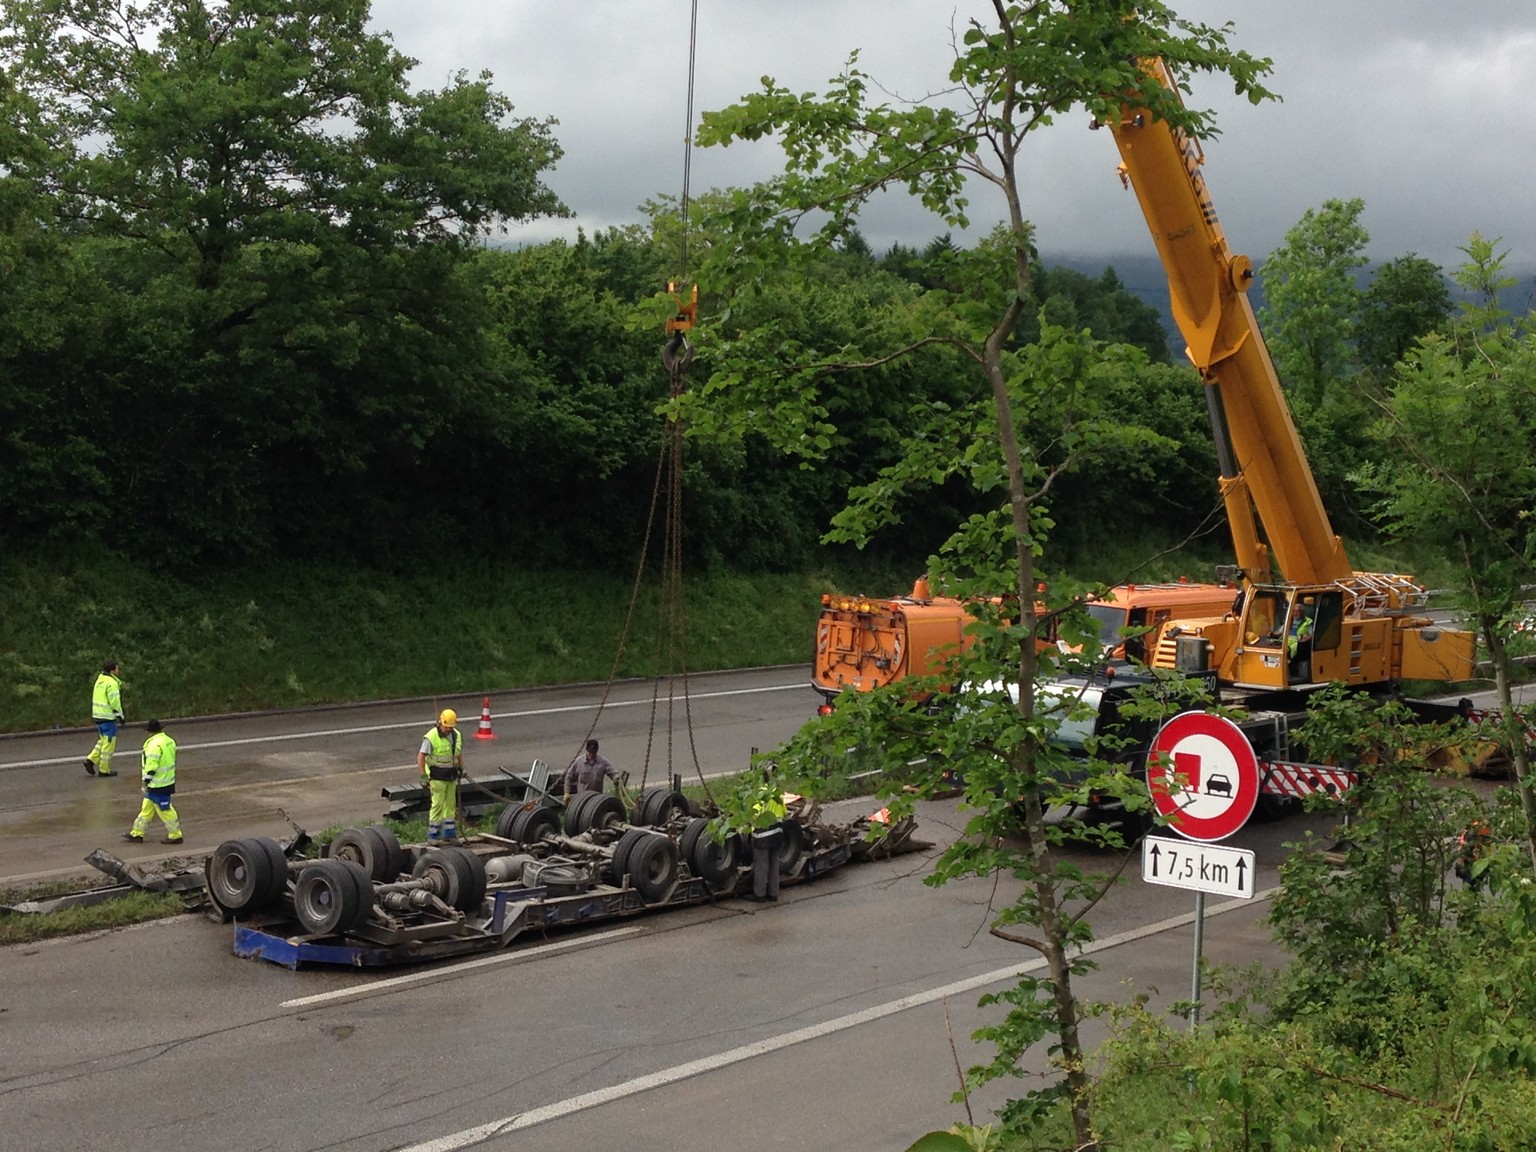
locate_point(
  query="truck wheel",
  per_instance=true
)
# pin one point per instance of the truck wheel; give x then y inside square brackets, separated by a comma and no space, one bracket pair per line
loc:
[637,814]
[713,862]
[652,866]
[618,863]
[664,807]
[575,810]
[443,873]
[277,870]
[1270,808]
[472,879]
[601,813]
[364,883]
[507,819]
[792,846]
[241,878]
[327,898]
[376,849]
[533,824]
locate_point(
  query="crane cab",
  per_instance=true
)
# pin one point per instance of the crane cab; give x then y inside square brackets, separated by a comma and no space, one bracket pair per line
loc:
[1294,637]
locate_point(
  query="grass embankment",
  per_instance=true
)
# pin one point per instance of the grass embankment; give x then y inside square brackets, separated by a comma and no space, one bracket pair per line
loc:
[288,635]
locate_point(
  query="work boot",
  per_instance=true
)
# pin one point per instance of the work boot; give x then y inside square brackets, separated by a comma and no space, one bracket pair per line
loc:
[90,769]
[133,839]
[113,773]
[173,840]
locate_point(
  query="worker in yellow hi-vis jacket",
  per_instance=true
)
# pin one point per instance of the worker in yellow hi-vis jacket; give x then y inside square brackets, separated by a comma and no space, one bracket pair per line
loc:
[441,758]
[158,775]
[106,714]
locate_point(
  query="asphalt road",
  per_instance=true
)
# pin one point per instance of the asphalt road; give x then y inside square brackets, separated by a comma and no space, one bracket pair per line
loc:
[823,1021]
[833,1019]
[236,776]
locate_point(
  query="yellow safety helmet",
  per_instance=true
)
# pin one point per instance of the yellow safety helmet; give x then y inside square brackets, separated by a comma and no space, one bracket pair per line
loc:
[448,718]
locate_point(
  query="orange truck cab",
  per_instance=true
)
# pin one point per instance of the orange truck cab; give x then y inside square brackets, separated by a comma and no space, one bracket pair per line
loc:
[865,642]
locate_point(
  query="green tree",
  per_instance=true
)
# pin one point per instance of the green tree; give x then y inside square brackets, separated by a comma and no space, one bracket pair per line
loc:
[1408,298]
[1310,322]
[1025,65]
[272,226]
[1457,477]
[1311,301]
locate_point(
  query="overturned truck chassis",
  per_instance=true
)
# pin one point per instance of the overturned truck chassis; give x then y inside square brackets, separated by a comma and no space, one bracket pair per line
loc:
[372,901]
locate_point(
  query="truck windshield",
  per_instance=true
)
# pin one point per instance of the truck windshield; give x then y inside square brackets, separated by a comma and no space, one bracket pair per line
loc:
[1111,619]
[1060,701]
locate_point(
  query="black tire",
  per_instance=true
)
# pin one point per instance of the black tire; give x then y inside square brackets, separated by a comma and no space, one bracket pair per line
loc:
[397,860]
[602,812]
[618,863]
[376,849]
[792,846]
[327,898]
[1268,808]
[712,861]
[643,803]
[533,824]
[472,880]
[664,807]
[508,818]
[443,872]
[652,867]
[363,881]
[241,878]
[277,870]
[575,808]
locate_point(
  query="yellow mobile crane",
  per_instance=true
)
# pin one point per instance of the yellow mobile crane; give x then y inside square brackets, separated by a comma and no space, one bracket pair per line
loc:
[1317,620]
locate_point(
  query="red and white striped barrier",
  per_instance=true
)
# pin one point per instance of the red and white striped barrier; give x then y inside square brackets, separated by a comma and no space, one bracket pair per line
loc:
[1278,778]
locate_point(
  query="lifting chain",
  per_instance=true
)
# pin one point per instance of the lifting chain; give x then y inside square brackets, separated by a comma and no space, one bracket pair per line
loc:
[676,357]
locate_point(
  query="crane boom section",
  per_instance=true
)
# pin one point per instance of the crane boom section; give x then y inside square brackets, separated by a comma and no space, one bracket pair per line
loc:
[1262,457]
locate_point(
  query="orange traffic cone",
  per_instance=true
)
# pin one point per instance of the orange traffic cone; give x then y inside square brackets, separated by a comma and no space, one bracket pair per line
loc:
[484,731]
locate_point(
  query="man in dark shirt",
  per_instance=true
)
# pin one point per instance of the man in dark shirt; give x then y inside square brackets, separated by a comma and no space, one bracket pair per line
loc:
[588,770]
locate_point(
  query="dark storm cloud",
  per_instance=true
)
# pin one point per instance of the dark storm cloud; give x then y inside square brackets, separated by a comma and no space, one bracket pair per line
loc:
[1417,108]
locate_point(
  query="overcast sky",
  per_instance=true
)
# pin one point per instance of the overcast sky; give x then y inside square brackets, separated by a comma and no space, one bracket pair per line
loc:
[1420,109]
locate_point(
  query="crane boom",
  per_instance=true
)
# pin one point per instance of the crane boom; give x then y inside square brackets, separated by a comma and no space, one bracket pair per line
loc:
[1317,621]
[1260,454]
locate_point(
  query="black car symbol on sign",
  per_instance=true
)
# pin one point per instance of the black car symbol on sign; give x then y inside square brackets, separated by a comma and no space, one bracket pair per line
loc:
[1218,785]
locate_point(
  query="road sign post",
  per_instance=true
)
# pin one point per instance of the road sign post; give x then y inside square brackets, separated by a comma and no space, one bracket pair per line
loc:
[1204,779]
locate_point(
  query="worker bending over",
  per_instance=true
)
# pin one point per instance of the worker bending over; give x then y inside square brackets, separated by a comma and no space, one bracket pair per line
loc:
[441,760]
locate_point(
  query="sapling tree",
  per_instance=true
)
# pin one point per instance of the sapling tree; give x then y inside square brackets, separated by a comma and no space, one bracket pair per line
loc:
[1034,412]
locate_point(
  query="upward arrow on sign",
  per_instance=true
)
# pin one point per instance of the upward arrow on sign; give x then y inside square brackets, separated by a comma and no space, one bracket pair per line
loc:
[1198,867]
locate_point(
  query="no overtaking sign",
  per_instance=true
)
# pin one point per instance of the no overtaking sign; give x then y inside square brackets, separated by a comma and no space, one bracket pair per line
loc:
[1203,775]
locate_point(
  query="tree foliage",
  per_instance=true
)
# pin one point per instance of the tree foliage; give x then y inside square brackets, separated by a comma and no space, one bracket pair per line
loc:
[1404,1018]
[1457,478]
[1026,414]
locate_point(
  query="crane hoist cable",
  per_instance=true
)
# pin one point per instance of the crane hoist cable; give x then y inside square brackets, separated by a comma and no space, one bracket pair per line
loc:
[671,657]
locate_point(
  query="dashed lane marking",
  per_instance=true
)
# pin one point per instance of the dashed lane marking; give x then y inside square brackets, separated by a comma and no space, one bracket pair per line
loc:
[324,733]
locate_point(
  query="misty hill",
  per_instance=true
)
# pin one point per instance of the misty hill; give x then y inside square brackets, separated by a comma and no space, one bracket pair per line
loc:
[1143,277]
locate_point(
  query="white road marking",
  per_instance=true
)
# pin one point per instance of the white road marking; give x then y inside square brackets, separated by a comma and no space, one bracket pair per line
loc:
[482,1132]
[327,732]
[377,986]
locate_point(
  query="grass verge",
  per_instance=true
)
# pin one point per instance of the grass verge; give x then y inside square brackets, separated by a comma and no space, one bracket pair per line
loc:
[287,635]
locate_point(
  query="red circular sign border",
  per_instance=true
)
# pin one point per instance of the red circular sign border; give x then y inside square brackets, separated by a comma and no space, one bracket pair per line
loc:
[1231,737]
